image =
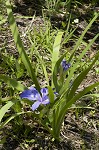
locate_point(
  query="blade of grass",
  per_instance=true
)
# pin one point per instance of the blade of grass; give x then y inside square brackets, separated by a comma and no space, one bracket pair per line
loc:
[68,105]
[80,78]
[55,72]
[51,94]
[20,46]
[13,83]
[12,117]
[43,67]
[84,32]
[20,113]
[92,95]
[5,108]
[63,89]
[56,47]
[67,37]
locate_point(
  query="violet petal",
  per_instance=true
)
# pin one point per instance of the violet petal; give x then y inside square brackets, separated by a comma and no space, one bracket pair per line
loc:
[35,105]
[45,100]
[30,94]
[44,91]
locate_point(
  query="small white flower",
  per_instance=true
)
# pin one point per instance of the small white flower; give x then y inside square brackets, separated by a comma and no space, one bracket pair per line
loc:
[76,21]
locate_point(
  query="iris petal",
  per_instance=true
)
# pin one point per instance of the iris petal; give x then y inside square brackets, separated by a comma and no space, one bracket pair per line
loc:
[35,105]
[30,94]
[33,94]
[65,65]
[45,100]
[44,91]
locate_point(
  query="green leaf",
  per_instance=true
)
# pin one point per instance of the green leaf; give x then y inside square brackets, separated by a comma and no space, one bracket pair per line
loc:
[13,83]
[92,95]
[20,113]
[80,78]
[51,94]
[55,72]
[69,103]
[5,108]
[43,67]
[3,140]
[56,47]
[2,19]
[68,36]
[20,46]
[12,117]
[84,32]
[81,94]
[73,68]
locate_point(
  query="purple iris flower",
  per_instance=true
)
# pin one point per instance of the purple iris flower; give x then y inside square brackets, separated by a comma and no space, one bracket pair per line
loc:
[33,95]
[65,65]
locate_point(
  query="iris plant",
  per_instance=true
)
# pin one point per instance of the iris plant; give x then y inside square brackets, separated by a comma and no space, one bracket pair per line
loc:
[52,117]
[33,95]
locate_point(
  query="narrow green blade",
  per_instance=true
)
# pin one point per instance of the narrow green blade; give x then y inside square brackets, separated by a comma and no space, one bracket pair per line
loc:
[51,94]
[70,102]
[55,72]
[13,83]
[80,78]
[12,117]
[5,108]
[84,32]
[63,89]
[56,47]
[20,46]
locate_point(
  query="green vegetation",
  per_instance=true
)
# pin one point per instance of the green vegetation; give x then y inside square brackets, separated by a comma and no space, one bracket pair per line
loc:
[51,47]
